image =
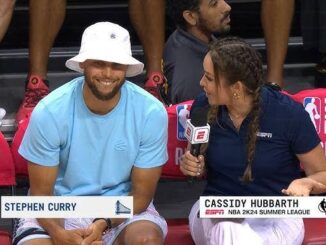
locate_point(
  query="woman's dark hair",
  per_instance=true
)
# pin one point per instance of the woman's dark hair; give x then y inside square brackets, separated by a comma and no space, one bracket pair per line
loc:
[175,10]
[236,60]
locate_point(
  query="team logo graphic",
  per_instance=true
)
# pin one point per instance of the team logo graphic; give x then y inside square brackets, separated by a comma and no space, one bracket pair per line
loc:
[121,209]
[183,113]
[322,206]
[313,106]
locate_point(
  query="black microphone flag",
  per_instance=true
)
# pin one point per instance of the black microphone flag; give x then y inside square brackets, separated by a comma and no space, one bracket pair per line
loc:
[197,129]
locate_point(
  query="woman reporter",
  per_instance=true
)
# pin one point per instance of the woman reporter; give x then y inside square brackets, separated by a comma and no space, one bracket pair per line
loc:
[258,139]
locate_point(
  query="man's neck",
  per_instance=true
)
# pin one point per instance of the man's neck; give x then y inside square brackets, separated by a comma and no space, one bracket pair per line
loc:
[98,106]
[203,36]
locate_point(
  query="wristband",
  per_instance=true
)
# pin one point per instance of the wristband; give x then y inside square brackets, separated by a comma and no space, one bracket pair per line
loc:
[108,223]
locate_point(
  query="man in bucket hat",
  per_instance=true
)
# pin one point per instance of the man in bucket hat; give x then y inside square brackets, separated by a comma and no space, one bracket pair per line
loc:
[97,135]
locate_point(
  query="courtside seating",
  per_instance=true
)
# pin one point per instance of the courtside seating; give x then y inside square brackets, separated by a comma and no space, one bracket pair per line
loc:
[177,142]
[7,169]
[19,162]
[5,238]
[314,101]
[7,179]
[314,231]
[178,232]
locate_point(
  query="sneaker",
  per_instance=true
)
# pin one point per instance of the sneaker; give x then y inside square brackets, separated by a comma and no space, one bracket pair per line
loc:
[36,89]
[156,84]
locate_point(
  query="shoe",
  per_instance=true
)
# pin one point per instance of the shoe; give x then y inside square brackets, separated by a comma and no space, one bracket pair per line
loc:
[156,84]
[36,89]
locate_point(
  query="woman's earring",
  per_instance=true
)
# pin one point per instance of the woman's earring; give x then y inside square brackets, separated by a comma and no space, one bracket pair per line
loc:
[236,96]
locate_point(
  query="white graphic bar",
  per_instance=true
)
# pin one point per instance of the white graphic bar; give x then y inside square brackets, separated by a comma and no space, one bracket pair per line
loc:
[66,207]
[262,207]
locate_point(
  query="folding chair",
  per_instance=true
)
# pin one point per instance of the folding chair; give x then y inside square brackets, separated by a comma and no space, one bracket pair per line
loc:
[7,168]
[5,238]
[19,162]
[314,101]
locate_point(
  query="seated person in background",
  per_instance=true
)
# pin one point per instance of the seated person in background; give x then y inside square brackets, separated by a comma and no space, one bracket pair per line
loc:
[197,20]
[258,138]
[187,46]
[97,135]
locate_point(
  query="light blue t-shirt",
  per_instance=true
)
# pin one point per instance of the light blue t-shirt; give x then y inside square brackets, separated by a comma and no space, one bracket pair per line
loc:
[96,153]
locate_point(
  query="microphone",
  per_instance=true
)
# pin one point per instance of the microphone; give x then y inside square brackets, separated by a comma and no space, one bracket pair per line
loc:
[197,131]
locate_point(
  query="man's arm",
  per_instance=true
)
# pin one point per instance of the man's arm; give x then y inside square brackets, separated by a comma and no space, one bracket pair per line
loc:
[144,182]
[42,180]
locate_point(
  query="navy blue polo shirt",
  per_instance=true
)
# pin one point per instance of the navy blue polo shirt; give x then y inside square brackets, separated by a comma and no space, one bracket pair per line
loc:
[285,130]
[183,65]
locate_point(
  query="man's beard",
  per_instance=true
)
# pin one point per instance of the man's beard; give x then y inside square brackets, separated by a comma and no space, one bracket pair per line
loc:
[225,28]
[206,28]
[102,96]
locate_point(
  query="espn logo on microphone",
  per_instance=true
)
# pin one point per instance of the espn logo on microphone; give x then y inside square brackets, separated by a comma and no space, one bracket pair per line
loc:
[197,135]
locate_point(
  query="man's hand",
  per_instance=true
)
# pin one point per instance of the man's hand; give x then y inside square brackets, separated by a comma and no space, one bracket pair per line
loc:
[94,236]
[303,187]
[70,237]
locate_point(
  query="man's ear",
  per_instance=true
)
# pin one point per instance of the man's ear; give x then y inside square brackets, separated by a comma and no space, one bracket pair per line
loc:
[82,65]
[191,17]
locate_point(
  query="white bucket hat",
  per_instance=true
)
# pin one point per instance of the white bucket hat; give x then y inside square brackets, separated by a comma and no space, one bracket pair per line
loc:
[108,42]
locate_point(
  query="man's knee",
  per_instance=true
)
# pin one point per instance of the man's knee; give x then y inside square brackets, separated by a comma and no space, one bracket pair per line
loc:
[142,233]
[148,238]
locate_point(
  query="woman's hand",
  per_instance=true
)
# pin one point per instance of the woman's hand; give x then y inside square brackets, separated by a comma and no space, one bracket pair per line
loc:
[192,166]
[303,187]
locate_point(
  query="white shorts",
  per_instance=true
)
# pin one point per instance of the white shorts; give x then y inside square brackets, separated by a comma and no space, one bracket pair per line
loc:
[29,229]
[259,231]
